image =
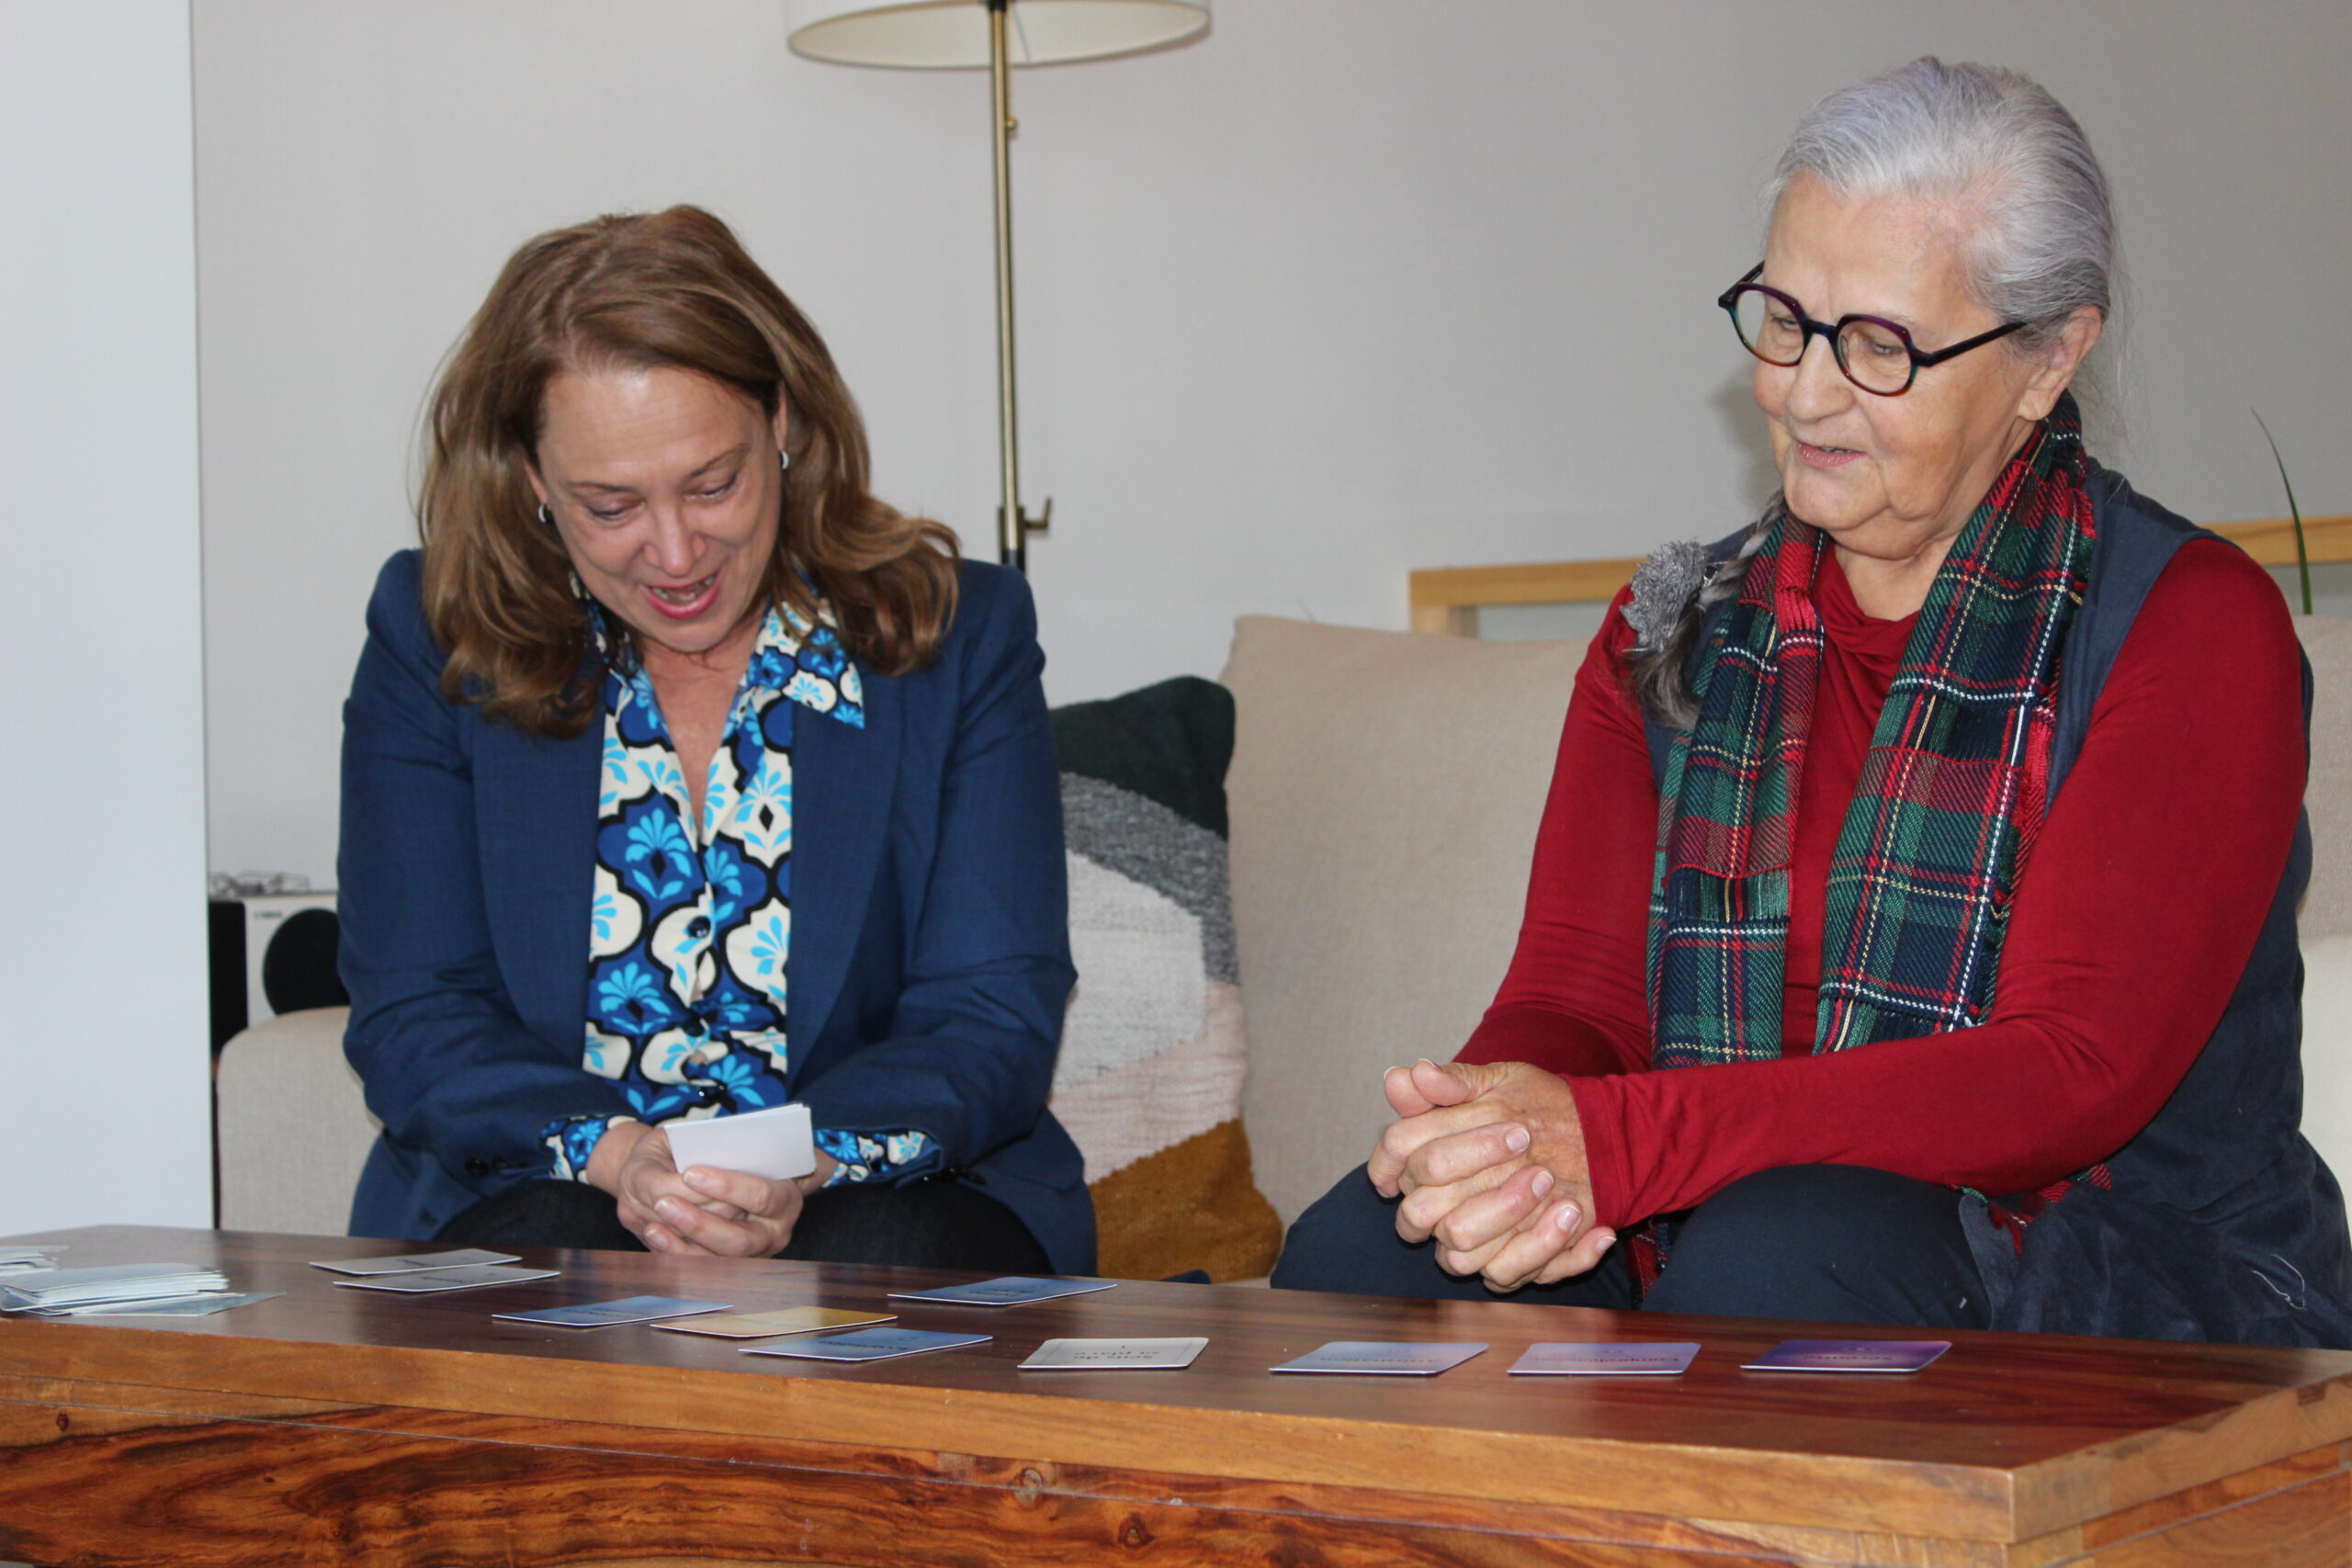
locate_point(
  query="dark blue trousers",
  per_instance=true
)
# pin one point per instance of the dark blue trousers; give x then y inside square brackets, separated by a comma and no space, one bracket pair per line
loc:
[1823,1242]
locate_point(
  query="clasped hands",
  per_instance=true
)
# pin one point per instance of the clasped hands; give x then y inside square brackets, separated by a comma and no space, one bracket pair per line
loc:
[1490,1160]
[702,1210]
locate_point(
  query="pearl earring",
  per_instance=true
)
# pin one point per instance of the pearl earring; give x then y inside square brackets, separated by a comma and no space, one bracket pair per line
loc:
[547,518]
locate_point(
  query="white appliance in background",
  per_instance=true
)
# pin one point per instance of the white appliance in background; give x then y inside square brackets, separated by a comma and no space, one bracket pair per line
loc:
[273,952]
[268,920]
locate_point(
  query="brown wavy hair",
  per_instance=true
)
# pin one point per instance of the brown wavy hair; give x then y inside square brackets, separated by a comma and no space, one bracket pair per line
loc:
[641,291]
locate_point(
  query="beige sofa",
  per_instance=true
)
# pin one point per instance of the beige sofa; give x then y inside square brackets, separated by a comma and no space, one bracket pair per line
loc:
[1383,794]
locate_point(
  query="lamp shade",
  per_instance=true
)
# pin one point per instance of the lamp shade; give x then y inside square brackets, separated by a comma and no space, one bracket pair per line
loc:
[953,35]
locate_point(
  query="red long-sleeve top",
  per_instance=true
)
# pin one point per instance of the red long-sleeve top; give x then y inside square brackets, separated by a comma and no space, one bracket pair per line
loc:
[2136,912]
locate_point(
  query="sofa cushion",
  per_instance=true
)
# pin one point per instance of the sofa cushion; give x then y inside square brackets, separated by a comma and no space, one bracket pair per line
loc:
[1384,793]
[2327,1050]
[1149,1078]
[2327,907]
[294,1126]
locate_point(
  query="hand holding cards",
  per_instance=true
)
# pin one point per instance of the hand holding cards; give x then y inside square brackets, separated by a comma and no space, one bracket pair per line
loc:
[777,1144]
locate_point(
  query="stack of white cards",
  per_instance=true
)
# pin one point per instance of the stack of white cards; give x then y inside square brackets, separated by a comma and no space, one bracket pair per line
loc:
[62,1289]
[423,1273]
[27,1259]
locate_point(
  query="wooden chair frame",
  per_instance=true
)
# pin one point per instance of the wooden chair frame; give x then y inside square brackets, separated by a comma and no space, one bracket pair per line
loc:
[1446,600]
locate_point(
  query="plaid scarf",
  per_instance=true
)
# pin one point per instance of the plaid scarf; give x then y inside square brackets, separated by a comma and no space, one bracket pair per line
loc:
[1943,816]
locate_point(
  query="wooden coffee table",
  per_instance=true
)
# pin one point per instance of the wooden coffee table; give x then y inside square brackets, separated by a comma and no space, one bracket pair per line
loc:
[341,1426]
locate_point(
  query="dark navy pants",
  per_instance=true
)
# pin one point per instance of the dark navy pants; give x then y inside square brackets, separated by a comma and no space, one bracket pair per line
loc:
[1824,1242]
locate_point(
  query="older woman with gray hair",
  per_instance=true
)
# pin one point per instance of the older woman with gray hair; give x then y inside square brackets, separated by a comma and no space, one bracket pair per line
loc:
[1911,938]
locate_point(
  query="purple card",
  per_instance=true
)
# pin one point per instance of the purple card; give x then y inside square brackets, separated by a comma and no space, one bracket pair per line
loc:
[1849,1356]
[1599,1360]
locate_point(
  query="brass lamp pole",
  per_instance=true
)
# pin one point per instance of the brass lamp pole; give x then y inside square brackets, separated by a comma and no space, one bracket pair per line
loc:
[956,35]
[1012,524]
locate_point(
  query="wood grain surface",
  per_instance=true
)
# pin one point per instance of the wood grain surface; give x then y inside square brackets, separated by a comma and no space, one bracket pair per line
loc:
[337,1425]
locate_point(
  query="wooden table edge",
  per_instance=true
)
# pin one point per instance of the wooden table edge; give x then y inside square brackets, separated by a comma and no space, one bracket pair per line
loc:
[1789,1487]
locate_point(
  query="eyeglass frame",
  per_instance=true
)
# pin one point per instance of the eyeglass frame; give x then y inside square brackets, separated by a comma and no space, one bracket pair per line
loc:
[1808,329]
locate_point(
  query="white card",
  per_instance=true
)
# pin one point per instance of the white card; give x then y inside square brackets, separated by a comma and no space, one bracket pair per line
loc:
[775,1144]
[176,1306]
[1383,1358]
[1611,1359]
[1113,1355]
[1012,1290]
[449,1280]
[415,1262]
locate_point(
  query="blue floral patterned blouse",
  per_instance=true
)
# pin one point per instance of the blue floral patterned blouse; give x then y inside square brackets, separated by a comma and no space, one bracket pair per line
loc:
[689,930]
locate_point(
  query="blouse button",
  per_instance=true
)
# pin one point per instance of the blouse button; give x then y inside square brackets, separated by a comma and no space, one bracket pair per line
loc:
[698,928]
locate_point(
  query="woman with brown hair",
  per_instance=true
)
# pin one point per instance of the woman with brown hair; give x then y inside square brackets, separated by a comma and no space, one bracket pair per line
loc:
[671,723]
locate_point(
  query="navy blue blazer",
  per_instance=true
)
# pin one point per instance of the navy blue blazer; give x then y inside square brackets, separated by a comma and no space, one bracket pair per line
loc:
[930,958]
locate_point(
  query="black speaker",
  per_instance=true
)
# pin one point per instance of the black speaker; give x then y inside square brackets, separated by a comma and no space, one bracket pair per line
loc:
[272,952]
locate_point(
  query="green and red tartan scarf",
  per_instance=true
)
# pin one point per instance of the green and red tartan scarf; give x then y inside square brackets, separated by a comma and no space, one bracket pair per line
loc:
[1943,816]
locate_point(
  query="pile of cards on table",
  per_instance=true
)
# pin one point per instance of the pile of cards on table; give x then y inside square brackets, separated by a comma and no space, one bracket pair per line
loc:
[113,1285]
[423,1273]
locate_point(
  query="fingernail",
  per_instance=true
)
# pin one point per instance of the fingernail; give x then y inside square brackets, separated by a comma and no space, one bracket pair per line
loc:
[1425,1062]
[1569,1216]
[657,1241]
[1517,1140]
[1543,1182]
[1608,1239]
[669,1208]
[701,1180]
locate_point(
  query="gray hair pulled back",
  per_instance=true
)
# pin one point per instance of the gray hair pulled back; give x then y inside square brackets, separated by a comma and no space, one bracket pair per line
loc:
[2037,226]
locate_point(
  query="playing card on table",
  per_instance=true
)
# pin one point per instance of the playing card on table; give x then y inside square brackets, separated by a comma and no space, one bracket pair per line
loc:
[415,1262]
[448,1280]
[628,1309]
[111,1282]
[1113,1355]
[782,1320]
[1013,1290]
[1564,1360]
[176,1306]
[868,1345]
[1383,1358]
[1849,1356]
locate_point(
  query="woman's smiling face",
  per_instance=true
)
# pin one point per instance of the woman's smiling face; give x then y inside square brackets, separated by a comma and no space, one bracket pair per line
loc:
[665,489]
[1893,479]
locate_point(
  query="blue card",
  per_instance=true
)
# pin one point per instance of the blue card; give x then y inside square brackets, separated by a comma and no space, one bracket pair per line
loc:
[1383,1358]
[1849,1356]
[1563,1359]
[868,1345]
[628,1309]
[1013,1290]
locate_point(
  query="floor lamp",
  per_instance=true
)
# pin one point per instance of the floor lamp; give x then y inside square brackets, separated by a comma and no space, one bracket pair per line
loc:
[997,35]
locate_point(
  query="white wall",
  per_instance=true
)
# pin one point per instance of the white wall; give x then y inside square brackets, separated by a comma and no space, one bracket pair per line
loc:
[1349,288]
[103,1038]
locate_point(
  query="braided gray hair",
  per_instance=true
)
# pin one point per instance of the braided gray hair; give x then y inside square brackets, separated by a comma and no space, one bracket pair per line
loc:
[2041,245]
